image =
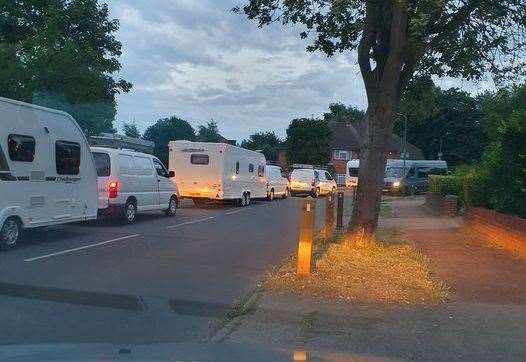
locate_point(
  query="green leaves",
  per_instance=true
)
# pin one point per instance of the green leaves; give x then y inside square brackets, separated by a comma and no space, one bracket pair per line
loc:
[308,141]
[267,142]
[62,54]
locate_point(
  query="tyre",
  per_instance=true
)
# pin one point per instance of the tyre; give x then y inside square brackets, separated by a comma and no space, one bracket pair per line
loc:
[242,201]
[271,195]
[129,213]
[286,194]
[247,199]
[316,193]
[172,207]
[10,233]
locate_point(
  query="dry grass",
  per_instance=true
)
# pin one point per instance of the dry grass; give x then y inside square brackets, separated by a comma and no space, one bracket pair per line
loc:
[390,272]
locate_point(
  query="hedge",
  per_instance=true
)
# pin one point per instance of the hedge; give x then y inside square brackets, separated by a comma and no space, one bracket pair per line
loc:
[445,185]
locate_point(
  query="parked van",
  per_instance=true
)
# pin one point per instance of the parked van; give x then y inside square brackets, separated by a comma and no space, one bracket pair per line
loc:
[351,173]
[47,174]
[277,184]
[130,182]
[217,171]
[311,181]
[411,177]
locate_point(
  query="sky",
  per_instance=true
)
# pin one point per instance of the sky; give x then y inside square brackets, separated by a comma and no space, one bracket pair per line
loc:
[197,60]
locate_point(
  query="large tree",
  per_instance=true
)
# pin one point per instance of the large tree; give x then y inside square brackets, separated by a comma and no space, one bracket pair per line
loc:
[267,142]
[339,112]
[209,133]
[62,54]
[166,130]
[131,130]
[446,121]
[397,39]
[308,141]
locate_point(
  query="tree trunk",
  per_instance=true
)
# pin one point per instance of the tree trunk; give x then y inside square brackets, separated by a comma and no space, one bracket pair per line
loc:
[365,213]
[385,49]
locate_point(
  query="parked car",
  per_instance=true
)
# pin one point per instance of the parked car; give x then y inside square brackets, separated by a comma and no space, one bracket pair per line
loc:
[130,182]
[277,184]
[411,177]
[351,173]
[311,181]
[218,171]
[47,174]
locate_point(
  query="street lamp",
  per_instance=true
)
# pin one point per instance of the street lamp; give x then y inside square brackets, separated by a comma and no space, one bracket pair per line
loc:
[404,149]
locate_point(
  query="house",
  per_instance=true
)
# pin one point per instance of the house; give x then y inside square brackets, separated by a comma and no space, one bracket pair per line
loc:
[346,143]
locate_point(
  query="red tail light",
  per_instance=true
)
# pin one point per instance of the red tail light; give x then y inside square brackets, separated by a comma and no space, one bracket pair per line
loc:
[113,188]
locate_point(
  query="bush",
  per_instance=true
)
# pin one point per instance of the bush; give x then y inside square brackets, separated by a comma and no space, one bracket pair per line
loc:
[445,185]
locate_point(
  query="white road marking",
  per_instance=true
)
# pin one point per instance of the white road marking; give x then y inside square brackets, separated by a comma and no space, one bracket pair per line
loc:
[190,222]
[81,248]
[238,210]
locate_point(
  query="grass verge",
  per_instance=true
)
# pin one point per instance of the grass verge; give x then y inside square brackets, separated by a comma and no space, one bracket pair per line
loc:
[392,271]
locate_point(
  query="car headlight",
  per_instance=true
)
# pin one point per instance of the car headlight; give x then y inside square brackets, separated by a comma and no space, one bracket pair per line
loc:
[396,184]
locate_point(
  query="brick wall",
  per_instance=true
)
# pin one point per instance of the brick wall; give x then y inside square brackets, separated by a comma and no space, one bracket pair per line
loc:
[442,205]
[505,230]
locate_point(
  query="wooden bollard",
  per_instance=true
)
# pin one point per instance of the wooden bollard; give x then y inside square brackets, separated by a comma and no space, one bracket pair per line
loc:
[306,234]
[329,217]
[339,212]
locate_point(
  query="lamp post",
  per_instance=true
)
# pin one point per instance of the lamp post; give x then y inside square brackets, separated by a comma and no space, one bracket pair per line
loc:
[404,148]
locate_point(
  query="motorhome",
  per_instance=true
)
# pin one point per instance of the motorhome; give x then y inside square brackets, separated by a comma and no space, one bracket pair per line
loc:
[130,182]
[217,171]
[409,177]
[47,172]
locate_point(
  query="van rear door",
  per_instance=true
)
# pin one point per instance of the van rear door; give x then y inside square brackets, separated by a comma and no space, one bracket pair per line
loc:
[103,166]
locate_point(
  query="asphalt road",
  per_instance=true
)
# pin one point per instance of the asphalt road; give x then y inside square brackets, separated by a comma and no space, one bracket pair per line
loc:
[159,280]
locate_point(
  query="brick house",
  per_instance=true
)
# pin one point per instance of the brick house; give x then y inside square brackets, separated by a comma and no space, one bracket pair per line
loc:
[346,141]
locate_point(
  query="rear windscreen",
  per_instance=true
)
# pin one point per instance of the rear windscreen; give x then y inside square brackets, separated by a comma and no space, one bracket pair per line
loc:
[3,161]
[302,175]
[353,172]
[199,159]
[102,163]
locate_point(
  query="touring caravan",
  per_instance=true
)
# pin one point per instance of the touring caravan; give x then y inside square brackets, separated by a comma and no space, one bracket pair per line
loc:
[217,171]
[47,172]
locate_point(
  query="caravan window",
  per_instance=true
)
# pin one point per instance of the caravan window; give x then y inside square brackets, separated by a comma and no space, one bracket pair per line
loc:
[3,162]
[67,157]
[261,171]
[102,163]
[250,167]
[199,159]
[21,148]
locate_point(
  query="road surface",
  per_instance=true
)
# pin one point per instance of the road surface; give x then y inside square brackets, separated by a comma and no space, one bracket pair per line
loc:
[159,280]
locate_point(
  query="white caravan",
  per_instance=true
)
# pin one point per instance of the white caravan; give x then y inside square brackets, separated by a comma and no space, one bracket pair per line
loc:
[47,173]
[217,171]
[277,184]
[131,182]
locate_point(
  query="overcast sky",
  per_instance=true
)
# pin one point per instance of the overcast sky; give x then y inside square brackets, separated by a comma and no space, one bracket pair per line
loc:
[197,60]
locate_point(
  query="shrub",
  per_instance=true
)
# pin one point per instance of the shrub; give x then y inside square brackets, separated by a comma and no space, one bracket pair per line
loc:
[445,185]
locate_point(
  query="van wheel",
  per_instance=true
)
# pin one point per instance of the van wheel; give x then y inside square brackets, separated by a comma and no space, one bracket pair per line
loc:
[316,193]
[10,233]
[247,199]
[172,207]
[286,194]
[129,213]
[271,195]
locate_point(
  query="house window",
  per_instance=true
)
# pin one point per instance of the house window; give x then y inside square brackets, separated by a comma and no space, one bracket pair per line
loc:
[342,155]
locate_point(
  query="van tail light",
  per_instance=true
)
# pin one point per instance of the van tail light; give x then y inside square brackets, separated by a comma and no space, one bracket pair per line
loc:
[113,189]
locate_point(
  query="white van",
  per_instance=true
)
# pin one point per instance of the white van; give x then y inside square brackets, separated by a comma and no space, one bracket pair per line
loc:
[351,173]
[410,177]
[131,182]
[217,171]
[311,181]
[47,174]
[277,184]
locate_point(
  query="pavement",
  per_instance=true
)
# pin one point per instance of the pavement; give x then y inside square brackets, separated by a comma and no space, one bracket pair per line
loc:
[484,320]
[160,280]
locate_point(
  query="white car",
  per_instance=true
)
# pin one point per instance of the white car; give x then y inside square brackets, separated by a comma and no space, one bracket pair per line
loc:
[277,184]
[131,182]
[311,181]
